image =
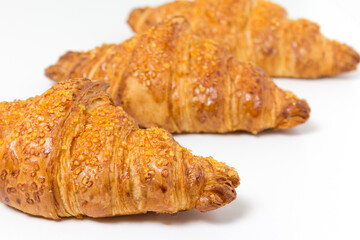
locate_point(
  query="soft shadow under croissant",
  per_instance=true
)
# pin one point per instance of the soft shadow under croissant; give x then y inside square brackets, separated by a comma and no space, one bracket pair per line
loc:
[71,152]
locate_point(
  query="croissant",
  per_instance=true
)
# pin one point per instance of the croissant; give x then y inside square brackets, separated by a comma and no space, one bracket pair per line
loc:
[168,77]
[71,152]
[260,32]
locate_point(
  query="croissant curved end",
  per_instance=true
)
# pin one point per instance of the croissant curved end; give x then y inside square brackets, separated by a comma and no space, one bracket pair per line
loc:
[60,71]
[345,58]
[295,111]
[219,189]
[55,73]
[133,18]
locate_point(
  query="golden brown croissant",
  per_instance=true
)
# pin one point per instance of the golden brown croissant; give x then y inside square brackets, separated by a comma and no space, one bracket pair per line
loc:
[260,32]
[168,77]
[71,152]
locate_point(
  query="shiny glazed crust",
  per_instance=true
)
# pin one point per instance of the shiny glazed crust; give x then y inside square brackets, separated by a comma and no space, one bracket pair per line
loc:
[71,152]
[259,32]
[170,78]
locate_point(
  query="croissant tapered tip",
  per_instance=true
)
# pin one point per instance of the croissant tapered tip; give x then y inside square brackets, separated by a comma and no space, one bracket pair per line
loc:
[345,58]
[219,188]
[134,17]
[60,71]
[54,73]
[295,111]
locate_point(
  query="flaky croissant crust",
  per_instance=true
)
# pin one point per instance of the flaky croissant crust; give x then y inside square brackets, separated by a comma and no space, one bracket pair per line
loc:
[168,77]
[260,32]
[71,152]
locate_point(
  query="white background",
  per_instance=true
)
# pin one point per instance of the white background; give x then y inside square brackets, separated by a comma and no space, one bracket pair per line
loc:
[297,184]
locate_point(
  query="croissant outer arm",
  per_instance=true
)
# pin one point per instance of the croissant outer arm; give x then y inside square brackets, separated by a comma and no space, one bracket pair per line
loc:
[259,32]
[71,152]
[170,78]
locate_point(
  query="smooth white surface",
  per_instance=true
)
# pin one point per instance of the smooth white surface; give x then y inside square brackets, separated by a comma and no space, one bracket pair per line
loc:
[297,184]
